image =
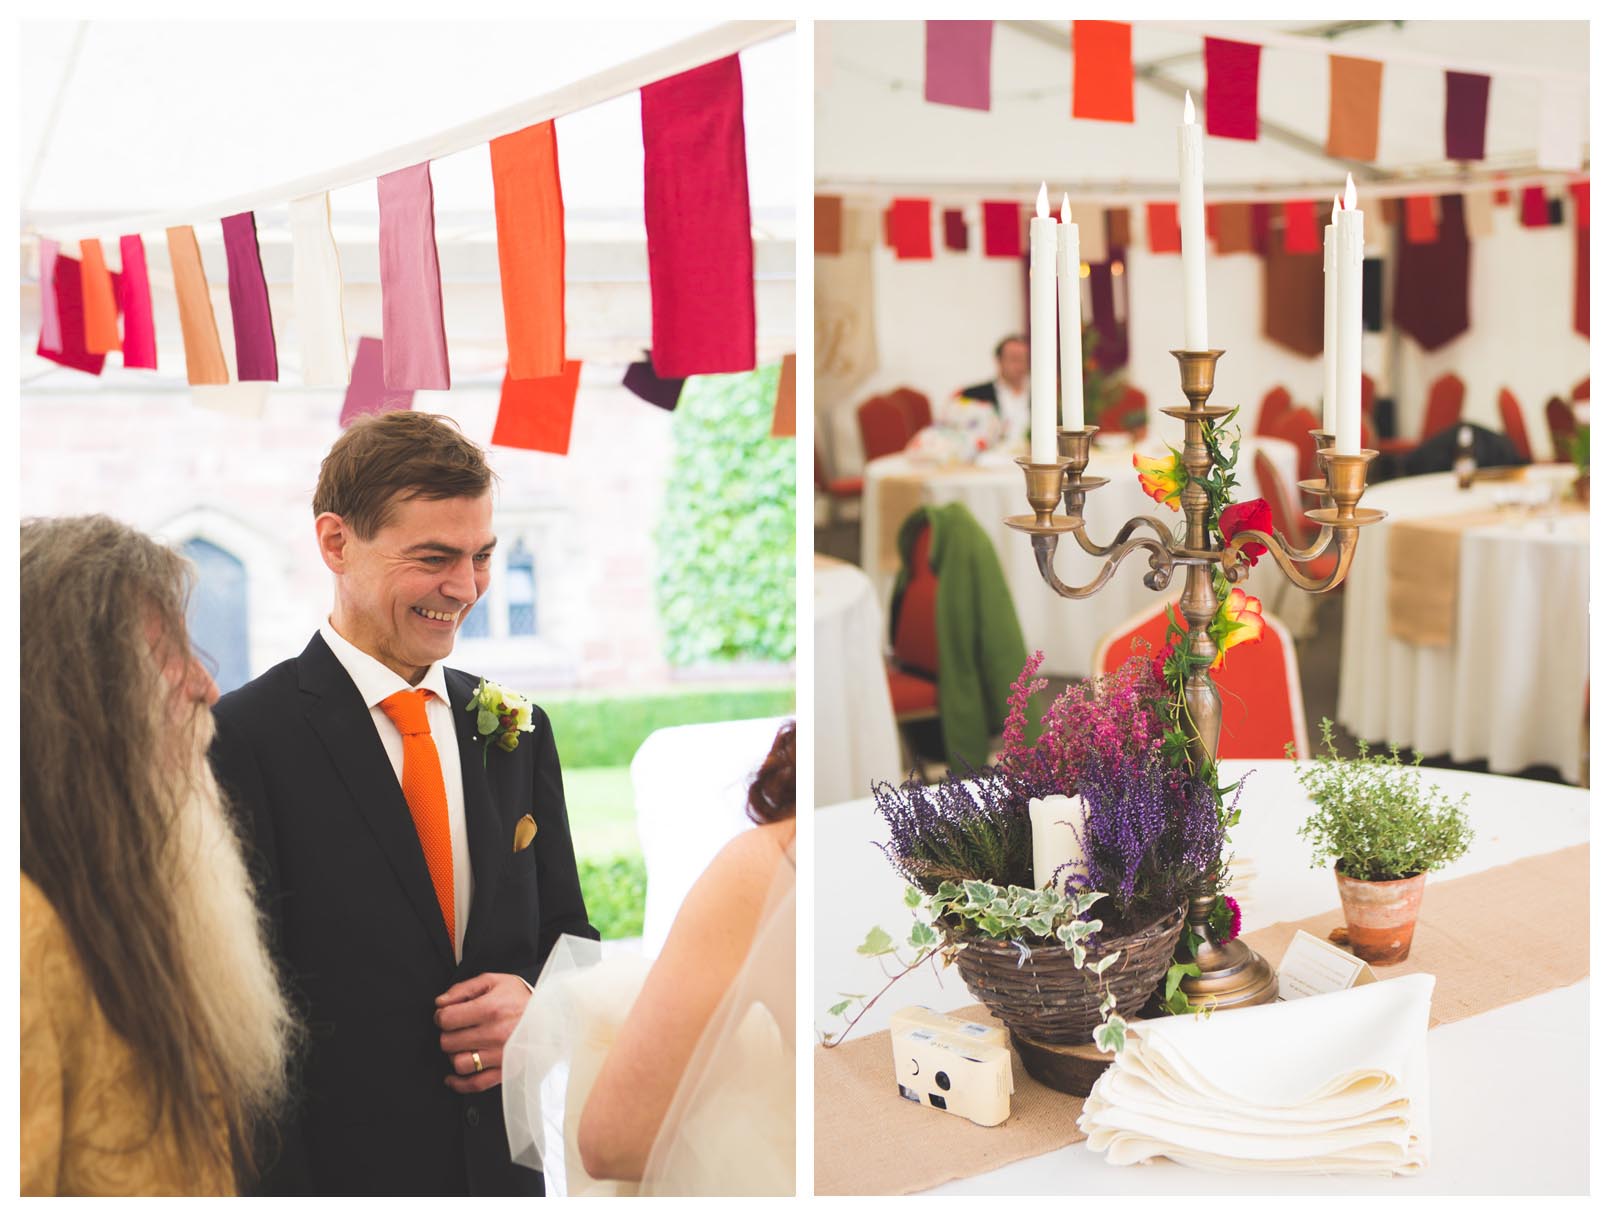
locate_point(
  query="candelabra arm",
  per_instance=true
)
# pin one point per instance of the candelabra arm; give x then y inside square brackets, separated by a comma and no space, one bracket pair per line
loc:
[1125,532]
[1344,537]
[1162,562]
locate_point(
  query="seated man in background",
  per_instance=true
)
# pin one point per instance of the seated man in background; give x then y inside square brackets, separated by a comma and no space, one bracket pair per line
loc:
[1009,393]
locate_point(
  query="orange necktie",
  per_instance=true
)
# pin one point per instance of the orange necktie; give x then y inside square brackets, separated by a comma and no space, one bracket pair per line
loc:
[426,794]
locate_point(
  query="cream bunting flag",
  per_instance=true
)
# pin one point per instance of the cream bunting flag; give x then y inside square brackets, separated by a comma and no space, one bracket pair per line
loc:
[316,283]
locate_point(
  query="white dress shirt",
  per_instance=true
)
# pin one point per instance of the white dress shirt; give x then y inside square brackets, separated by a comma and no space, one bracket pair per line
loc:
[375,682]
[1014,408]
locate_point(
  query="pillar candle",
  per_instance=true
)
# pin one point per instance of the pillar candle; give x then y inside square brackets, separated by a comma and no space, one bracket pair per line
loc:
[1195,295]
[1055,823]
[1351,259]
[1329,341]
[1073,362]
[1043,333]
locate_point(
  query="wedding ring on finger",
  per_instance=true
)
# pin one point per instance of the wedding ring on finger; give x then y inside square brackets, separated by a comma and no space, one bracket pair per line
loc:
[475,1058]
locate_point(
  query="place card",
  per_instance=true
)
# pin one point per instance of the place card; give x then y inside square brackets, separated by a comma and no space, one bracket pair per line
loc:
[1312,966]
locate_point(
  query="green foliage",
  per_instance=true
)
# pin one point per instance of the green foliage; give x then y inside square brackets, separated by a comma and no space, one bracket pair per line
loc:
[606,731]
[614,893]
[1580,449]
[1375,818]
[1221,477]
[725,570]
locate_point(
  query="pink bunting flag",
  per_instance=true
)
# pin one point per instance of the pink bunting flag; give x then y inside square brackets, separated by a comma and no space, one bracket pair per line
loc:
[1003,233]
[71,350]
[139,326]
[50,323]
[415,342]
[957,63]
[1231,94]
[1535,208]
[255,356]
[366,392]
[697,211]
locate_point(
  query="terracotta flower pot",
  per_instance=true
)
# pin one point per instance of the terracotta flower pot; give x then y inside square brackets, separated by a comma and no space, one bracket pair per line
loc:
[1381,915]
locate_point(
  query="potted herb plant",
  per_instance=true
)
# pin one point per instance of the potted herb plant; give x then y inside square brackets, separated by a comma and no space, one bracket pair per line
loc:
[1383,830]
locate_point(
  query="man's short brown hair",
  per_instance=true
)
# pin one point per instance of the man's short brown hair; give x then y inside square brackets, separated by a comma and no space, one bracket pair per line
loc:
[400,455]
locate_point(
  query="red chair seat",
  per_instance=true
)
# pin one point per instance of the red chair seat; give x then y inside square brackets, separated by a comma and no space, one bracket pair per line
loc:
[911,696]
[845,485]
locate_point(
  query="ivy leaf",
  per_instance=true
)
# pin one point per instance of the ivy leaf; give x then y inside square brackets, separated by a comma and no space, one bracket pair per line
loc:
[923,936]
[979,894]
[912,898]
[838,1008]
[1110,1036]
[947,891]
[1041,926]
[1106,962]
[1173,977]
[876,942]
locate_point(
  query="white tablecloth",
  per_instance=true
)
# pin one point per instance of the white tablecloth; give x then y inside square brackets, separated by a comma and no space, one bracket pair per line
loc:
[854,726]
[1481,1142]
[690,786]
[1509,688]
[1067,631]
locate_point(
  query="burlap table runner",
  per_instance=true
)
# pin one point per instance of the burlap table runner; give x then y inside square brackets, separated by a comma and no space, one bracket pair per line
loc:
[1492,939]
[1424,570]
[898,496]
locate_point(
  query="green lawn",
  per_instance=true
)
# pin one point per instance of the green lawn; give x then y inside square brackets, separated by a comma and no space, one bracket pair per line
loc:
[599,802]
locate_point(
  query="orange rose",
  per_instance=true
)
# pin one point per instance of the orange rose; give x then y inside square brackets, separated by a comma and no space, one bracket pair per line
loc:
[1162,478]
[1238,620]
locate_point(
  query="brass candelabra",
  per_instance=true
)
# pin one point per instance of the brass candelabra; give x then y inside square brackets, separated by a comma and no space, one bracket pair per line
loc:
[1232,974]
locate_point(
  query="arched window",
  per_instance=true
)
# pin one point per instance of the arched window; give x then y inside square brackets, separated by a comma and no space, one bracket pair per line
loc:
[217,617]
[520,585]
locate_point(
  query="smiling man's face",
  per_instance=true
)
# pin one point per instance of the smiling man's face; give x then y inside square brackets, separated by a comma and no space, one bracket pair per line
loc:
[401,595]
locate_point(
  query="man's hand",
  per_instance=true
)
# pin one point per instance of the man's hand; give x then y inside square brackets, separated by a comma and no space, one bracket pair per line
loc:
[478,1016]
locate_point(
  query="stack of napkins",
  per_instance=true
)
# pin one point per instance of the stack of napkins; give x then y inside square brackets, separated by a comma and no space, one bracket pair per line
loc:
[1332,1084]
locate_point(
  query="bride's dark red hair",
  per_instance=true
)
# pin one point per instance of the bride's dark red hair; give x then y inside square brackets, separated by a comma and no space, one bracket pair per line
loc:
[772,793]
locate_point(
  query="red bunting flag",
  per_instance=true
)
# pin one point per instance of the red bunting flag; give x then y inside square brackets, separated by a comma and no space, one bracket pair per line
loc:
[1535,208]
[1300,237]
[908,229]
[1581,202]
[1163,229]
[536,413]
[100,302]
[1421,220]
[1104,85]
[530,212]
[1466,115]
[1581,281]
[71,350]
[957,63]
[1003,236]
[956,229]
[1231,94]
[697,210]
[134,293]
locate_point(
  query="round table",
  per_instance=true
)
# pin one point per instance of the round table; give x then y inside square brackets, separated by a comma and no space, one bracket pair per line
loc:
[1476,1149]
[1509,687]
[855,740]
[993,489]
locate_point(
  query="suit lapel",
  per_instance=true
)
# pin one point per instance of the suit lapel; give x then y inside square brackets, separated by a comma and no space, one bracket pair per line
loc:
[345,726]
[483,827]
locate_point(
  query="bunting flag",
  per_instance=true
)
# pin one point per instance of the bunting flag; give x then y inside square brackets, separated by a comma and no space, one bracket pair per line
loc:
[697,211]
[957,63]
[1502,195]
[1236,225]
[1259,222]
[658,391]
[530,214]
[1163,229]
[1231,94]
[1432,280]
[1211,222]
[1371,296]
[1088,220]
[1562,107]
[414,342]
[1355,108]
[134,300]
[1581,203]
[1119,227]
[955,229]
[316,293]
[1479,213]
[1466,115]
[826,212]
[255,357]
[1581,285]
[1104,87]
[100,302]
[1535,209]
[1300,235]
[1004,238]
[50,323]
[366,392]
[70,350]
[783,407]
[536,413]
[1295,299]
[1421,220]
[908,229]
[1557,209]
[204,354]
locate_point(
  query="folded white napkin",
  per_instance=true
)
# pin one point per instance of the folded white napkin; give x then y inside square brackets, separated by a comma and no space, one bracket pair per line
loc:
[1329,1084]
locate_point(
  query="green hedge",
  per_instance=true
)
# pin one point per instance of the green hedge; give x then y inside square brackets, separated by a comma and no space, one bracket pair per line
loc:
[614,893]
[725,570]
[606,731]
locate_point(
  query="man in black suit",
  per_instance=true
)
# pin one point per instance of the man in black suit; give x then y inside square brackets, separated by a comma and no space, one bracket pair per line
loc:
[415,880]
[1009,394]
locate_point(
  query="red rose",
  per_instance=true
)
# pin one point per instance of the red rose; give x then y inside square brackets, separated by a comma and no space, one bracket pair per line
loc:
[1247,515]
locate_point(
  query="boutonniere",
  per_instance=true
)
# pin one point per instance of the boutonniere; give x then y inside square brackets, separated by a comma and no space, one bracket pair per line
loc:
[501,717]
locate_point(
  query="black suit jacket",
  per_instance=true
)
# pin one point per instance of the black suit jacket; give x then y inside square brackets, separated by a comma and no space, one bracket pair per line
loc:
[985,392]
[359,935]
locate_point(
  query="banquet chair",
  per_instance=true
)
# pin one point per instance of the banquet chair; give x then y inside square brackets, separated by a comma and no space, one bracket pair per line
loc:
[913,670]
[915,406]
[1581,392]
[1295,428]
[883,425]
[840,490]
[1516,427]
[1444,401]
[1290,522]
[1277,403]
[1563,427]
[1261,702]
[1368,412]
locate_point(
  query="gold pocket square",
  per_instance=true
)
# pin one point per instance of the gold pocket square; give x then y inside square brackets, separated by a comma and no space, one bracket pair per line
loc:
[525,832]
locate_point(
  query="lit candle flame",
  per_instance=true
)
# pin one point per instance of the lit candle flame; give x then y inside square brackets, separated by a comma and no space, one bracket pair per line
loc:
[1064,214]
[1041,203]
[1188,115]
[1349,192]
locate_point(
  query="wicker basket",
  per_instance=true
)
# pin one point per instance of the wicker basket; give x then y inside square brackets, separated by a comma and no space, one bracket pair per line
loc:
[1054,1001]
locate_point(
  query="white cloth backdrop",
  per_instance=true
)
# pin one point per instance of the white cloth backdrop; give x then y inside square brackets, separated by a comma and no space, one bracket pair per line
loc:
[855,738]
[1476,1150]
[690,788]
[1067,631]
[1509,688]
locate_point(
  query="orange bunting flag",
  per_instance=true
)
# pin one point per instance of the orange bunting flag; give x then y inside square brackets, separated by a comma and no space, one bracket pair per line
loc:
[1421,220]
[204,354]
[783,408]
[1357,86]
[1104,84]
[100,302]
[535,413]
[530,212]
[1163,229]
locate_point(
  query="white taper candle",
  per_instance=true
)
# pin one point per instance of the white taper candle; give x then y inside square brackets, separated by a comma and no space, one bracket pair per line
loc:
[1043,333]
[1194,268]
[1072,363]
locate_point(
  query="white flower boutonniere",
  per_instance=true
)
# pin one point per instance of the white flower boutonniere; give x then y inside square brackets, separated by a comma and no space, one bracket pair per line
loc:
[501,717]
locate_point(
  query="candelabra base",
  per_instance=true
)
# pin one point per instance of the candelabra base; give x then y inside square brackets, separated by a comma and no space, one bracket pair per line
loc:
[1233,976]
